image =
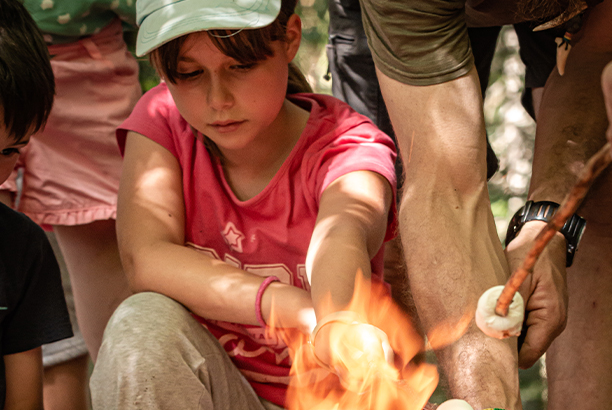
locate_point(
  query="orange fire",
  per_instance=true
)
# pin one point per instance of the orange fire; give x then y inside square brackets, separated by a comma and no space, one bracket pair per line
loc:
[364,375]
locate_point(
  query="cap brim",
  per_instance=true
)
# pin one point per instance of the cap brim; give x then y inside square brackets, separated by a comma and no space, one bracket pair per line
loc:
[189,16]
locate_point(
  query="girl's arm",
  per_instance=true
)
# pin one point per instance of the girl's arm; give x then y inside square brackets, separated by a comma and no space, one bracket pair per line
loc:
[24,380]
[349,232]
[150,229]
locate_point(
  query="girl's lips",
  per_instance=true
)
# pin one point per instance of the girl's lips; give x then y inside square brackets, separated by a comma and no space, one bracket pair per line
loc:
[226,126]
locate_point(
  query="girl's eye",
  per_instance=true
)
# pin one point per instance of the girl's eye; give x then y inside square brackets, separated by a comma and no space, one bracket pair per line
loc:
[243,67]
[10,151]
[187,76]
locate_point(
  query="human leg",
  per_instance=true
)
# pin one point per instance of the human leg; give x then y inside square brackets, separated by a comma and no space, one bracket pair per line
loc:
[65,379]
[448,233]
[155,355]
[96,273]
[71,170]
[579,361]
[65,385]
[572,126]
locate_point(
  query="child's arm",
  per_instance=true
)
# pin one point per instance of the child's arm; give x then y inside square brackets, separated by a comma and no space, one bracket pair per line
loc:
[350,229]
[24,372]
[150,229]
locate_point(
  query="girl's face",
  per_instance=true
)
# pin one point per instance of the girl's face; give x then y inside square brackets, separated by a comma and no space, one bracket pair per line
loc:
[234,105]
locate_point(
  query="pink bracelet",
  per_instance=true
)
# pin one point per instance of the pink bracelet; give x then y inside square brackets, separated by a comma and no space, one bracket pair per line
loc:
[262,288]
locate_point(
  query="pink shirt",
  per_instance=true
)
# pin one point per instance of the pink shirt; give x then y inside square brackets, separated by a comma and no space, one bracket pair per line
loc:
[268,234]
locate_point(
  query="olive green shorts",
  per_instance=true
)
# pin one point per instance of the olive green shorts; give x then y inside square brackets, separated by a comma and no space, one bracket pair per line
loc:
[418,42]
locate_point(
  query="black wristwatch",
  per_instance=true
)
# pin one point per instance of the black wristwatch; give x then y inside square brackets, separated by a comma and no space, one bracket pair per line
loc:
[544,211]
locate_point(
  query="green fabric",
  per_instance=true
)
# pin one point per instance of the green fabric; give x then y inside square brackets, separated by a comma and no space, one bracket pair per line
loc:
[424,42]
[418,42]
[65,20]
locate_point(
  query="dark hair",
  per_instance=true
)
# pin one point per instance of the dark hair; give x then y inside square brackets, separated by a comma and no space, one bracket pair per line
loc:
[245,46]
[540,10]
[27,86]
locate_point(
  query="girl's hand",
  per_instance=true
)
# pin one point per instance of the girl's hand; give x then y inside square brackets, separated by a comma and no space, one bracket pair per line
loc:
[356,352]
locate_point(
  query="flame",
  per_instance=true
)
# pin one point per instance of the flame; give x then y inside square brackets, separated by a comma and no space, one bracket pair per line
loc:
[365,376]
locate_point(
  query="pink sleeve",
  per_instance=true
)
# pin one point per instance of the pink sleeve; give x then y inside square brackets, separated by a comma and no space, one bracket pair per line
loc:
[362,148]
[151,117]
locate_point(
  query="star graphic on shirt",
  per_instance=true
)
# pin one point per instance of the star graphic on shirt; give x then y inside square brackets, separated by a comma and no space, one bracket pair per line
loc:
[233,237]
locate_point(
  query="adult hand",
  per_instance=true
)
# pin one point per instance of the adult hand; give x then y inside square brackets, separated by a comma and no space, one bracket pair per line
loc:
[545,292]
[606,85]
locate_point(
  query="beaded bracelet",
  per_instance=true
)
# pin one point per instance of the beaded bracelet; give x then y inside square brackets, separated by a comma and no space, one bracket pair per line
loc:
[262,288]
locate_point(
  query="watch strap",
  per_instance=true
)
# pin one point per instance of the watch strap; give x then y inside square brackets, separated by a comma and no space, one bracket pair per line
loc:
[544,211]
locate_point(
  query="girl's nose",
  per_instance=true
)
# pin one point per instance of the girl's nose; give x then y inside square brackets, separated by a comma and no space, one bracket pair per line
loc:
[219,95]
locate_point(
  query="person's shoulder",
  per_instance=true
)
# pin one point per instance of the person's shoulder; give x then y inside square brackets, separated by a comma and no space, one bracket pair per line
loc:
[14,222]
[329,114]
[19,235]
[157,102]
[321,103]
[155,106]
[159,94]
[332,119]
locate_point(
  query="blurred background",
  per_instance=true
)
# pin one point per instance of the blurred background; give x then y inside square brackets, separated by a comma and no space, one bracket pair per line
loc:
[511,133]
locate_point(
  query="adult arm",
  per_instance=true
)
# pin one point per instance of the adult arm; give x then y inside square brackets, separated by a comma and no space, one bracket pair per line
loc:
[448,233]
[24,372]
[150,229]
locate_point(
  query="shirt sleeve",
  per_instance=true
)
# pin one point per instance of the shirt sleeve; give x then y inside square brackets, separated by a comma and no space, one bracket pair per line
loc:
[151,117]
[360,148]
[39,314]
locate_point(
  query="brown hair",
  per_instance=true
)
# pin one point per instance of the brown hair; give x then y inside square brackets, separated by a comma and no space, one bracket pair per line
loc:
[245,46]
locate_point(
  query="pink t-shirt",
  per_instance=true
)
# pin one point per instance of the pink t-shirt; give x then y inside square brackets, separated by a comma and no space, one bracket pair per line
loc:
[268,234]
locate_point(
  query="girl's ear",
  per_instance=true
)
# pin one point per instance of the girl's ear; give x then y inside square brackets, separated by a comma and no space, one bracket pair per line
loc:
[294,35]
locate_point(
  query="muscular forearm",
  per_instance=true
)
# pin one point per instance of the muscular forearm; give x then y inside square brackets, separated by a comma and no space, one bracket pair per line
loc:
[448,233]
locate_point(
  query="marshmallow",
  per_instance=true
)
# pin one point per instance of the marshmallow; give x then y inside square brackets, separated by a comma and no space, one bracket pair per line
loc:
[455,404]
[498,326]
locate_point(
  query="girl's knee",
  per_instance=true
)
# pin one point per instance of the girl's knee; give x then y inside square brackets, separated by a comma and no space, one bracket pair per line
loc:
[145,317]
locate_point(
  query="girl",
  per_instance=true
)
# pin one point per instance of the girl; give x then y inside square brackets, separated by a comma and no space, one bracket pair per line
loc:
[243,204]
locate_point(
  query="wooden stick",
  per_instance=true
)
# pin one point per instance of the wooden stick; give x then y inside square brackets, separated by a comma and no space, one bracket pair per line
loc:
[596,164]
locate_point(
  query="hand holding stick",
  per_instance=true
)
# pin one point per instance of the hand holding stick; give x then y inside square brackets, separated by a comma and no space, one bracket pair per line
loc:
[596,164]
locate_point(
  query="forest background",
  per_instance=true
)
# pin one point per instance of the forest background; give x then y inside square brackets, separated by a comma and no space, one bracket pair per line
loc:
[510,129]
